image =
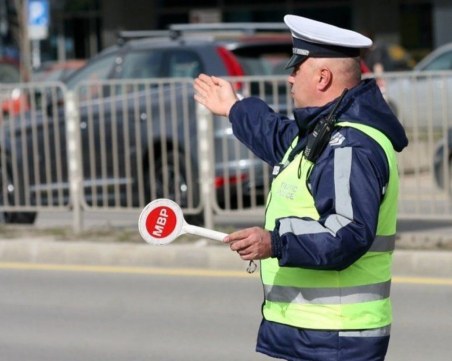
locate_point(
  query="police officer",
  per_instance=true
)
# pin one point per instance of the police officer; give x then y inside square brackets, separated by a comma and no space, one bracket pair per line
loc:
[330,225]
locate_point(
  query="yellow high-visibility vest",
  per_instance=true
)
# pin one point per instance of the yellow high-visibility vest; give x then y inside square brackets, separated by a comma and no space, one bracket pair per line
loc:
[356,298]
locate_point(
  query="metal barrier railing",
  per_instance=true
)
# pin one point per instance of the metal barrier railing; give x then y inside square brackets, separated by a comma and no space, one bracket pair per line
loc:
[115,145]
[33,163]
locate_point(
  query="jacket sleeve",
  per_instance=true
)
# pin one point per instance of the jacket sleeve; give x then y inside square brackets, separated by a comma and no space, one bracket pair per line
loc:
[266,133]
[347,184]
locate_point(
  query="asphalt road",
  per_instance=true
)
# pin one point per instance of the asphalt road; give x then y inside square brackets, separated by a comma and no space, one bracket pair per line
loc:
[124,314]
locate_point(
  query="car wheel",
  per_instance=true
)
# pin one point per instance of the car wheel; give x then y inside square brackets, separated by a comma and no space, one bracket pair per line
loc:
[450,176]
[439,176]
[177,183]
[175,176]
[170,173]
[6,197]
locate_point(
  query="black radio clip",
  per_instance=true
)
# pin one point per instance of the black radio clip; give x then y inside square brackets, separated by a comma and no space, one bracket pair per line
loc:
[320,136]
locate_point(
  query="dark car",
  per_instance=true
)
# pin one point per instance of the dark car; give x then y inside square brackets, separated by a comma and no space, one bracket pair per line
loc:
[138,125]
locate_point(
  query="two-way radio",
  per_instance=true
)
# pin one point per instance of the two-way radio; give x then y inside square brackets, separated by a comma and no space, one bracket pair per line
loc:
[320,136]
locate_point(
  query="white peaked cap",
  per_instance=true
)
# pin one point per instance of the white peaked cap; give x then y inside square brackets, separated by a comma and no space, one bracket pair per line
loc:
[313,38]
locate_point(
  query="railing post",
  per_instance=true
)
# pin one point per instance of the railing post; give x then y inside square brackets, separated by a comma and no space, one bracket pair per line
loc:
[206,161]
[74,158]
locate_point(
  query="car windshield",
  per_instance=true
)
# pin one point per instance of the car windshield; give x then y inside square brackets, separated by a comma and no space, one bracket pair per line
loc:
[442,62]
[98,70]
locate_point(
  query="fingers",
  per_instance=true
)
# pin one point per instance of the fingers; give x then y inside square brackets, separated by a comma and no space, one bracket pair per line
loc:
[204,89]
[250,243]
[239,235]
[214,93]
[204,83]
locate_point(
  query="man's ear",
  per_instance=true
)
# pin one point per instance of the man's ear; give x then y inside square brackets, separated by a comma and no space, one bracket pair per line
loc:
[325,79]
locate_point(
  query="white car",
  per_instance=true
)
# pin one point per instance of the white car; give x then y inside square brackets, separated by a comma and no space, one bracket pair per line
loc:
[420,97]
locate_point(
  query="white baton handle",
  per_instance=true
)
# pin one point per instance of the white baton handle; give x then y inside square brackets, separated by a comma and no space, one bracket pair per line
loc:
[204,232]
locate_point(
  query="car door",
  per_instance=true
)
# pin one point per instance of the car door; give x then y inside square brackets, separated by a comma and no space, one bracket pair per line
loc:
[153,116]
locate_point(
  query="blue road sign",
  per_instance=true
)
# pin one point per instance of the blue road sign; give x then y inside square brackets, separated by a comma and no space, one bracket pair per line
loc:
[38,18]
[38,12]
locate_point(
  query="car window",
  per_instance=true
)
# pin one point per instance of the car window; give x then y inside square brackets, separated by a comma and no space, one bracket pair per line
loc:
[183,63]
[442,62]
[160,63]
[142,65]
[98,70]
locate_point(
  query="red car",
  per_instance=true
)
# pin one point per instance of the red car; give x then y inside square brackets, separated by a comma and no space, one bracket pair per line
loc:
[9,74]
[15,100]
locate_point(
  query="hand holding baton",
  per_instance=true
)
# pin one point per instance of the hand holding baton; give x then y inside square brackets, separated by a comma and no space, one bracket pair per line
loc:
[162,221]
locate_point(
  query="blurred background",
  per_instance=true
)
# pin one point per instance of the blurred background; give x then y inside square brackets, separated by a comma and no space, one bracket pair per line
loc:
[79,29]
[107,87]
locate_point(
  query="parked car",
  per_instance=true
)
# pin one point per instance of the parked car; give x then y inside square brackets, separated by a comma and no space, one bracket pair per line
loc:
[424,87]
[421,99]
[9,74]
[439,59]
[17,100]
[135,115]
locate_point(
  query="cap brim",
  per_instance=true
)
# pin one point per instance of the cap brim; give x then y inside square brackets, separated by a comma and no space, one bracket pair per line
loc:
[295,60]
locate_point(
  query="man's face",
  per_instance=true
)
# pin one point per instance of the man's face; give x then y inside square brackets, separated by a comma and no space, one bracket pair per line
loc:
[302,81]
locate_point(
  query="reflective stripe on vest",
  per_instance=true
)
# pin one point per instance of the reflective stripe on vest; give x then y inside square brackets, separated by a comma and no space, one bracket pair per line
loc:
[315,295]
[356,298]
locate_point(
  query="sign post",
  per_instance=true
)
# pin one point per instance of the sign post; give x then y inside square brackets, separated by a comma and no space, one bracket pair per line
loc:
[38,27]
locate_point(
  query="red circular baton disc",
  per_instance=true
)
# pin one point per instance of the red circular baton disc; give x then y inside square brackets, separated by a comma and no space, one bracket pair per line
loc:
[161,222]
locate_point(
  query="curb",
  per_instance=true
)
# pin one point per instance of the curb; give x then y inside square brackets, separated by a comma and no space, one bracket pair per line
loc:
[194,255]
[407,262]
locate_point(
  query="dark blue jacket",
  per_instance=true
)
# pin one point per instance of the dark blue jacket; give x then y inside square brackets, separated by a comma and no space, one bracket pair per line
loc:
[269,135]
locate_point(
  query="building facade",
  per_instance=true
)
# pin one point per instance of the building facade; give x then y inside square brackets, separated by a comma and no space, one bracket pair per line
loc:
[81,28]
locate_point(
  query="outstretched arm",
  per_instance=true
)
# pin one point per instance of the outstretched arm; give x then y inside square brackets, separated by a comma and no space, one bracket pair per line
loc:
[266,133]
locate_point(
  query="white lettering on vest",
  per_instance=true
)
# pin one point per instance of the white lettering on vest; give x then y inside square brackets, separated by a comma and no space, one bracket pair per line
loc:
[287,190]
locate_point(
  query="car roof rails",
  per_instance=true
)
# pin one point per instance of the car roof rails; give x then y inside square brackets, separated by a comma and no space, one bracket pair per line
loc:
[219,27]
[126,35]
[227,31]
[177,30]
